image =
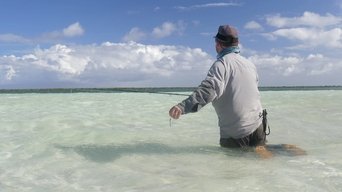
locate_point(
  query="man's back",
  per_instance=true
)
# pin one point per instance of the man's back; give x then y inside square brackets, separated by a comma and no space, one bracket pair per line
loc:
[232,86]
[239,106]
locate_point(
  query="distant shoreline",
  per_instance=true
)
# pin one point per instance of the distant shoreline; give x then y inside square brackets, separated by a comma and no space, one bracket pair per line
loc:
[156,89]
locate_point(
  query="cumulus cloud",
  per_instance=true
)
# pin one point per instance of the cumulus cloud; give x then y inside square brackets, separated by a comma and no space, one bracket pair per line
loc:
[167,29]
[7,72]
[293,63]
[73,30]
[253,25]
[134,64]
[312,37]
[135,34]
[307,19]
[308,31]
[311,65]
[281,65]
[105,65]
[59,58]
[70,31]
[10,73]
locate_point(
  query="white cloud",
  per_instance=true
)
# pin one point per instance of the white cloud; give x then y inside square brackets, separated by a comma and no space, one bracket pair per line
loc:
[165,30]
[135,34]
[253,25]
[323,69]
[310,30]
[60,58]
[105,65]
[207,5]
[134,64]
[168,28]
[278,64]
[10,73]
[73,30]
[13,38]
[7,73]
[313,57]
[312,37]
[307,19]
[311,65]
[302,35]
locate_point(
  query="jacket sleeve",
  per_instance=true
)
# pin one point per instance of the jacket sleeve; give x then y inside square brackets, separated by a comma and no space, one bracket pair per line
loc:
[209,89]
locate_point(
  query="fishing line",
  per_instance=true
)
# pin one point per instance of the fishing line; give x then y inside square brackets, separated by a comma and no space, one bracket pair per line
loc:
[149,91]
[142,90]
[152,90]
[155,91]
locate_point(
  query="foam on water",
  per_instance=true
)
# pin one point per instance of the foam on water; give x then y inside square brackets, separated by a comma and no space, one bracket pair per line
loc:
[124,142]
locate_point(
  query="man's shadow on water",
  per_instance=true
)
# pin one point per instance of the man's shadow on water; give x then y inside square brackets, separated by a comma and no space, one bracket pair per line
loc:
[111,152]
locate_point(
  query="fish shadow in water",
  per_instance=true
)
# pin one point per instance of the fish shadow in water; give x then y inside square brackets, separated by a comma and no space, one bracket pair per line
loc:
[109,153]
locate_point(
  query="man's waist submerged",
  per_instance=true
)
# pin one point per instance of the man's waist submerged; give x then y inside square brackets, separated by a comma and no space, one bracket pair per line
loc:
[239,129]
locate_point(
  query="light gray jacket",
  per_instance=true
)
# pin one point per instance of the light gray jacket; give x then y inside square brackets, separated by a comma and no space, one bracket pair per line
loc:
[232,87]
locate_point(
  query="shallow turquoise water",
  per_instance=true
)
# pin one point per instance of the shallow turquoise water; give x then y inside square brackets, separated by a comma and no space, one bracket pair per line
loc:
[125,142]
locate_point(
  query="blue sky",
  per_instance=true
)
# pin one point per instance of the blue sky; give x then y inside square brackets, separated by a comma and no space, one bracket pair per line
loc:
[107,43]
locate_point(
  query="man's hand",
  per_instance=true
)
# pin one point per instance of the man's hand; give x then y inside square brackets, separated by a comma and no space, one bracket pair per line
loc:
[175,112]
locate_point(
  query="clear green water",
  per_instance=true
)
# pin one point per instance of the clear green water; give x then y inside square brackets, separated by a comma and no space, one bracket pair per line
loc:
[124,142]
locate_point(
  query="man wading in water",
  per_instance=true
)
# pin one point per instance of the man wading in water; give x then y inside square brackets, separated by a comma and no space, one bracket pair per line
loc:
[232,86]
